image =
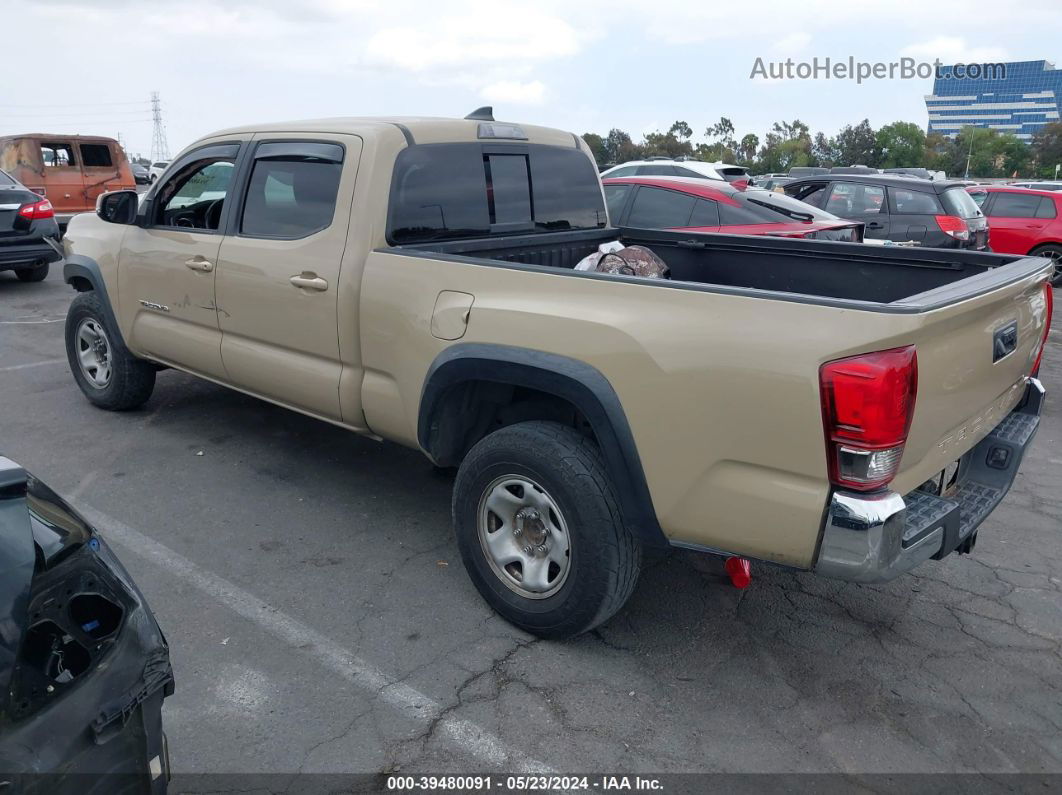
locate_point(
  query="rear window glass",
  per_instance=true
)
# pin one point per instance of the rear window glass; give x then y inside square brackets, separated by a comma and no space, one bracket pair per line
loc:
[705,213]
[616,197]
[913,202]
[448,191]
[656,208]
[5,179]
[958,202]
[1022,205]
[291,196]
[759,206]
[96,155]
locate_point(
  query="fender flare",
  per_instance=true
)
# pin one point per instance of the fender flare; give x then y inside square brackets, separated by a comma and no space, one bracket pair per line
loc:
[569,379]
[78,266]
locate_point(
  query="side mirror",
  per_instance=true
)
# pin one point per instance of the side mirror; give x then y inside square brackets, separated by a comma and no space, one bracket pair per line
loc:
[118,207]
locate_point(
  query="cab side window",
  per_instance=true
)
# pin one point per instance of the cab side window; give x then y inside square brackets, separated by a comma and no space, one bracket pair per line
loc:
[195,196]
[56,155]
[292,191]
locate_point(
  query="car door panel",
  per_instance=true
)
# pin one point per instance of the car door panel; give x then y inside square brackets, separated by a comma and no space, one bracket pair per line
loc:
[278,283]
[167,272]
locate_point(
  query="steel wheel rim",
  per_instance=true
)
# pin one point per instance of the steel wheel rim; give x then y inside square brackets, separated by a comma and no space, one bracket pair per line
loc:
[93,352]
[524,536]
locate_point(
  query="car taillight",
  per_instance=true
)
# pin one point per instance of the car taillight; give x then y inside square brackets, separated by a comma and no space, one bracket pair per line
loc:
[1049,297]
[867,405]
[953,226]
[37,210]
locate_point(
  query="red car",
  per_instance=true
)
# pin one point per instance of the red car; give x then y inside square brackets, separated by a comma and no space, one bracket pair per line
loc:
[1023,221]
[714,206]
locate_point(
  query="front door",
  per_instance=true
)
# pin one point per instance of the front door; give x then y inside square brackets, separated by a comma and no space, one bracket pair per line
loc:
[168,266]
[278,277]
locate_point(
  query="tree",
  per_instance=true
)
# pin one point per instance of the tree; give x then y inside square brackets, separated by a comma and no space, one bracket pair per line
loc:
[788,144]
[747,149]
[857,145]
[619,148]
[597,148]
[1047,149]
[824,150]
[723,133]
[681,130]
[901,144]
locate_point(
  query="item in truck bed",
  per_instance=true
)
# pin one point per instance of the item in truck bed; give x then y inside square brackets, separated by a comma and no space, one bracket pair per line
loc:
[623,260]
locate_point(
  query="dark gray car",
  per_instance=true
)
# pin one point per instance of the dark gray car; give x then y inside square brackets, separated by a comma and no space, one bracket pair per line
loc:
[930,213]
[29,233]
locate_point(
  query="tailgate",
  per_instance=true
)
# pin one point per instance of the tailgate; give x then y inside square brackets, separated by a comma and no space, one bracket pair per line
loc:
[973,360]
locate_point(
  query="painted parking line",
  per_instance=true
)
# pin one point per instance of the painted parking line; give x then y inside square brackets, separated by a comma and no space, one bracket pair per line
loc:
[45,363]
[466,735]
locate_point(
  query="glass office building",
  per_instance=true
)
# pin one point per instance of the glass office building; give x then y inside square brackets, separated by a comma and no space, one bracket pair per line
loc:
[1020,99]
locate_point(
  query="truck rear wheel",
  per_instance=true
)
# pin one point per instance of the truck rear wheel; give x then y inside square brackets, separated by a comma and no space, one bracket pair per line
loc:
[108,374]
[540,531]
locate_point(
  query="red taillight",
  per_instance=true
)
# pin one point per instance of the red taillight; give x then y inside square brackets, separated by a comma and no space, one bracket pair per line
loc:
[953,226]
[1049,298]
[867,405]
[37,210]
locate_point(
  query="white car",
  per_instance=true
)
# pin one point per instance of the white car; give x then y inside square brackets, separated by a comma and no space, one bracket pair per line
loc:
[666,167]
[156,170]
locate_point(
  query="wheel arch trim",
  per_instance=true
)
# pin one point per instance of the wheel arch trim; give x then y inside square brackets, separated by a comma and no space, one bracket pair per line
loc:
[78,266]
[571,380]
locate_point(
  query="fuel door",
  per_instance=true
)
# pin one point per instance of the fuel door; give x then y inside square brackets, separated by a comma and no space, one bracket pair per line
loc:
[450,317]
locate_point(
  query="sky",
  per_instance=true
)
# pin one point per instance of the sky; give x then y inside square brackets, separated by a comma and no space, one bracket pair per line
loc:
[89,66]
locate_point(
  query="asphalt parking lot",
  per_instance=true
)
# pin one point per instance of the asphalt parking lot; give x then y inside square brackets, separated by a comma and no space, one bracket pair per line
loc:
[320,618]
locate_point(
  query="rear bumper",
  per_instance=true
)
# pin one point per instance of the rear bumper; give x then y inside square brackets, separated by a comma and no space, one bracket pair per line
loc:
[877,537]
[27,254]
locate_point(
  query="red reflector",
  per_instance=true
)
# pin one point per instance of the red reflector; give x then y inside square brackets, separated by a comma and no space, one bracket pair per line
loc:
[954,226]
[867,405]
[1049,298]
[37,210]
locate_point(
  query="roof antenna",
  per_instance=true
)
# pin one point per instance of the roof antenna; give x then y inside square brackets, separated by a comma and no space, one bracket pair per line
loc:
[486,113]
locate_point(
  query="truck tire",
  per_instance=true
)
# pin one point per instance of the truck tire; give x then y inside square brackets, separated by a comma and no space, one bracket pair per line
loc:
[108,374]
[540,531]
[38,273]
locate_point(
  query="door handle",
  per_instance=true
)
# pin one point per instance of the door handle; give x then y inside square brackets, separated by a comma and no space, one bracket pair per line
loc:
[200,264]
[309,281]
[875,225]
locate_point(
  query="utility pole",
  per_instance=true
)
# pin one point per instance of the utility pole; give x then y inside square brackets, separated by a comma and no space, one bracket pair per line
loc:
[968,156]
[160,150]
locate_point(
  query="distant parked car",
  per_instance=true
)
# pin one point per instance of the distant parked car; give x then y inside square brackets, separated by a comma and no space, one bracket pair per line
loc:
[156,170]
[775,182]
[799,172]
[701,206]
[1023,221]
[1043,185]
[897,208]
[854,170]
[140,174]
[665,167]
[27,223]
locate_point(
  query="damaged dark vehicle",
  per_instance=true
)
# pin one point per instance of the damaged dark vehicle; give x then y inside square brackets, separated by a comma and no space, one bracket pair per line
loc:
[83,664]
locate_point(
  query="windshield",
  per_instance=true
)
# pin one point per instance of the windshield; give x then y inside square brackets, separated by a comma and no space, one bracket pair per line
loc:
[958,202]
[448,191]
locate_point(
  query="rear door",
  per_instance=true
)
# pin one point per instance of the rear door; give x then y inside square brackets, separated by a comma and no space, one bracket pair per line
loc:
[64,184]
[1017,220]
[278,287]
[659,208]
[856,201]
[913,217]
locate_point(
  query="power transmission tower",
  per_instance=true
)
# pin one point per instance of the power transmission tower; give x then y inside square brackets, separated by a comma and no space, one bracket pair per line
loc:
[160,150]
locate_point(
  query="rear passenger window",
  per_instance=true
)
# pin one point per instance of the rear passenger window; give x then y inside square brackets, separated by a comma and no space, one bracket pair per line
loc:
[705,213]
[292,191]
[616,198]
[656,208]
[913,202]
[57,155]
[656,171]
[96,155]
[1022,205]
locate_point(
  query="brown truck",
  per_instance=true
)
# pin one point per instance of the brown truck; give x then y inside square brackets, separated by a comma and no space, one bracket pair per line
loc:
[71,171]
[825,406]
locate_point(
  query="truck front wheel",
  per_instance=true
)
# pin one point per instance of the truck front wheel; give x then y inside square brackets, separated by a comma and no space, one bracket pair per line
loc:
[540,530]
[108,374]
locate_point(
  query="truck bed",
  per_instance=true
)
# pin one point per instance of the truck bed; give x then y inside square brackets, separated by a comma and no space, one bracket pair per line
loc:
[884,278]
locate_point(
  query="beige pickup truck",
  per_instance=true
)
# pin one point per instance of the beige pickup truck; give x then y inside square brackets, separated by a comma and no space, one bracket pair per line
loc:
[825,406]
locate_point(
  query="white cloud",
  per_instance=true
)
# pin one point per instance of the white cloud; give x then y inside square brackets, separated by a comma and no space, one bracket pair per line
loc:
[793,43]
[515,92]
[953,49]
